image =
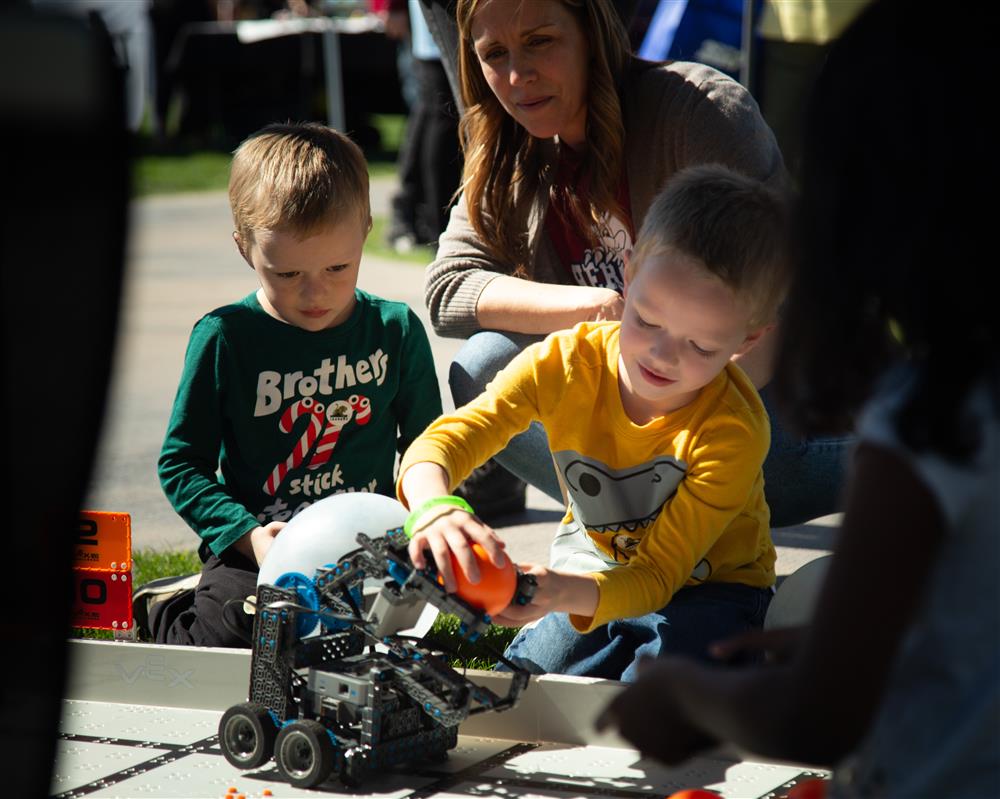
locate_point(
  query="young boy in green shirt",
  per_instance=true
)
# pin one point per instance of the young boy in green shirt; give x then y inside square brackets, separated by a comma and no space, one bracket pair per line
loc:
[305,388]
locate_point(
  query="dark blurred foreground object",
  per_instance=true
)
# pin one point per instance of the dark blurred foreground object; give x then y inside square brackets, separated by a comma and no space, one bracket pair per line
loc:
[64,161]
[792,44]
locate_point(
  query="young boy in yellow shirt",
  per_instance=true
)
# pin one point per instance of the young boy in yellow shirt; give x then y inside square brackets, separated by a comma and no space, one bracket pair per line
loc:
[658,439]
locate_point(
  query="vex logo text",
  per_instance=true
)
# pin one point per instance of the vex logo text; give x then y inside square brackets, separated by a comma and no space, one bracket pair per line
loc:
[156,669]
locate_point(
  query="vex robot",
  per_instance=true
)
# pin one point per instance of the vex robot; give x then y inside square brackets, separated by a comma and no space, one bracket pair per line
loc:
[334,689]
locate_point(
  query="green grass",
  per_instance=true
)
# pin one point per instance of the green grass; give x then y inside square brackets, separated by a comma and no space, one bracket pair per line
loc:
[160,171]
[199,171]
[375,245]
[206,171]
[391,128]
[173,168]
[171,174]
[470,654]
[151,564]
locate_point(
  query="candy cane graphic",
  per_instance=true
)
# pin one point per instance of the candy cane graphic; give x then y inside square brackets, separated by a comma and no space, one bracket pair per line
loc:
[314,411]
[338,416]
[362,409]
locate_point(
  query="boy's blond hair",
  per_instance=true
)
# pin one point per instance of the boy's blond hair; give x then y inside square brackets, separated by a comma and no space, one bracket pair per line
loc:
[733,224]
[299,177]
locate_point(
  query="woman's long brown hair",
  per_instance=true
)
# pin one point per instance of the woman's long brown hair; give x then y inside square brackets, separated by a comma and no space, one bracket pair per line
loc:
[503,168]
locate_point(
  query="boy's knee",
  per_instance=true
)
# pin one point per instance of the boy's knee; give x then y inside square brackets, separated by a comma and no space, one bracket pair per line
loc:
[211,621]
[480,358]
[213,615]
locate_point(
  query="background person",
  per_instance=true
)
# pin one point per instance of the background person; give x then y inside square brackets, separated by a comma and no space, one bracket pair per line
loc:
[895,681]
[792,43]
[430,160]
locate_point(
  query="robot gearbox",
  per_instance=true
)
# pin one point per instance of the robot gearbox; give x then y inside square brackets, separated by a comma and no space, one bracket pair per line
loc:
[334,689]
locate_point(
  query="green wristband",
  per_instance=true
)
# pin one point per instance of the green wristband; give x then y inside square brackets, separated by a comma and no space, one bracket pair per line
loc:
[433,502]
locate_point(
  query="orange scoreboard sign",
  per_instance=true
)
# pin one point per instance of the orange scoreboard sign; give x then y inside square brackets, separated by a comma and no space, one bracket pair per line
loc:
[102,572]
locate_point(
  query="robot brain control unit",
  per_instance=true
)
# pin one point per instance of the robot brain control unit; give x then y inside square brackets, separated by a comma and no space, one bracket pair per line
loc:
[334,687]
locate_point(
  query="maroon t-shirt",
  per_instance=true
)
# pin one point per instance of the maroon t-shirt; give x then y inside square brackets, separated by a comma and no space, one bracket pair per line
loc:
[603,265]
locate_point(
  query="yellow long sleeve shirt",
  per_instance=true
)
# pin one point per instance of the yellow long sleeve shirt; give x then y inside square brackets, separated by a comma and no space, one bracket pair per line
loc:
[678,501]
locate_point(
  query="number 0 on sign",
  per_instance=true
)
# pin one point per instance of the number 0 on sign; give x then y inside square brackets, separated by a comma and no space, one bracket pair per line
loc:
[102,571]
[102,599]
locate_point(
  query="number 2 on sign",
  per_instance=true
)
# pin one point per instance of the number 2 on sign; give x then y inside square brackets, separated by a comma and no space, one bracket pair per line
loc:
[103,541]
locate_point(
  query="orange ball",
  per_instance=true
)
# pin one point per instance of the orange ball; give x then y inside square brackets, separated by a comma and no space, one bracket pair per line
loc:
[694,793]
[495,588]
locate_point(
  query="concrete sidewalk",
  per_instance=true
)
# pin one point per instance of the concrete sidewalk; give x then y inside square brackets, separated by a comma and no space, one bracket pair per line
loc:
[181,264]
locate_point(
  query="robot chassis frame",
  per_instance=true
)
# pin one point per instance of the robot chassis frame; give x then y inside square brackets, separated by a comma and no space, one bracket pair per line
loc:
[332,702]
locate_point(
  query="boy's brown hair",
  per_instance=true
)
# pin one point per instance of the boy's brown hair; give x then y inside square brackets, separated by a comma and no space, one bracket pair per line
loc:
[299,177]
[735,225]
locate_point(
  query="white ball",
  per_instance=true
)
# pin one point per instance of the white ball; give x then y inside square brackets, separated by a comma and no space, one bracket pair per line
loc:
[326,531]
[795,600]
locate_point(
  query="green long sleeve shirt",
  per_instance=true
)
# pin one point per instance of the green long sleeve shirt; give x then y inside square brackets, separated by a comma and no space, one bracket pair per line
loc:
[270,418]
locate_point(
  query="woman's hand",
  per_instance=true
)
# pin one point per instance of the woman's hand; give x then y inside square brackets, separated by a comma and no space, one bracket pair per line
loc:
[453,533]
[602,305]
[555,591]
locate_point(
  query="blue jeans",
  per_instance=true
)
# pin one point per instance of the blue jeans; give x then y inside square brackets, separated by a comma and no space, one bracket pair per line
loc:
[696,616]
[802,477]
[527,455]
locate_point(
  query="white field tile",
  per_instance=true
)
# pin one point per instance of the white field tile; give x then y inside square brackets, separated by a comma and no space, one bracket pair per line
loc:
[138,722]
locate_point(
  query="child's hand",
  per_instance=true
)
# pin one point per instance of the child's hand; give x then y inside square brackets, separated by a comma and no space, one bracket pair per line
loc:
[555,591]
[261,539]
[650,717]
[454,533]
[778,645]
[545,598]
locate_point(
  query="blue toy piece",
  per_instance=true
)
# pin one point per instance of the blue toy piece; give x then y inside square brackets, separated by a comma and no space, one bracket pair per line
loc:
[305,593]
[332,702]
